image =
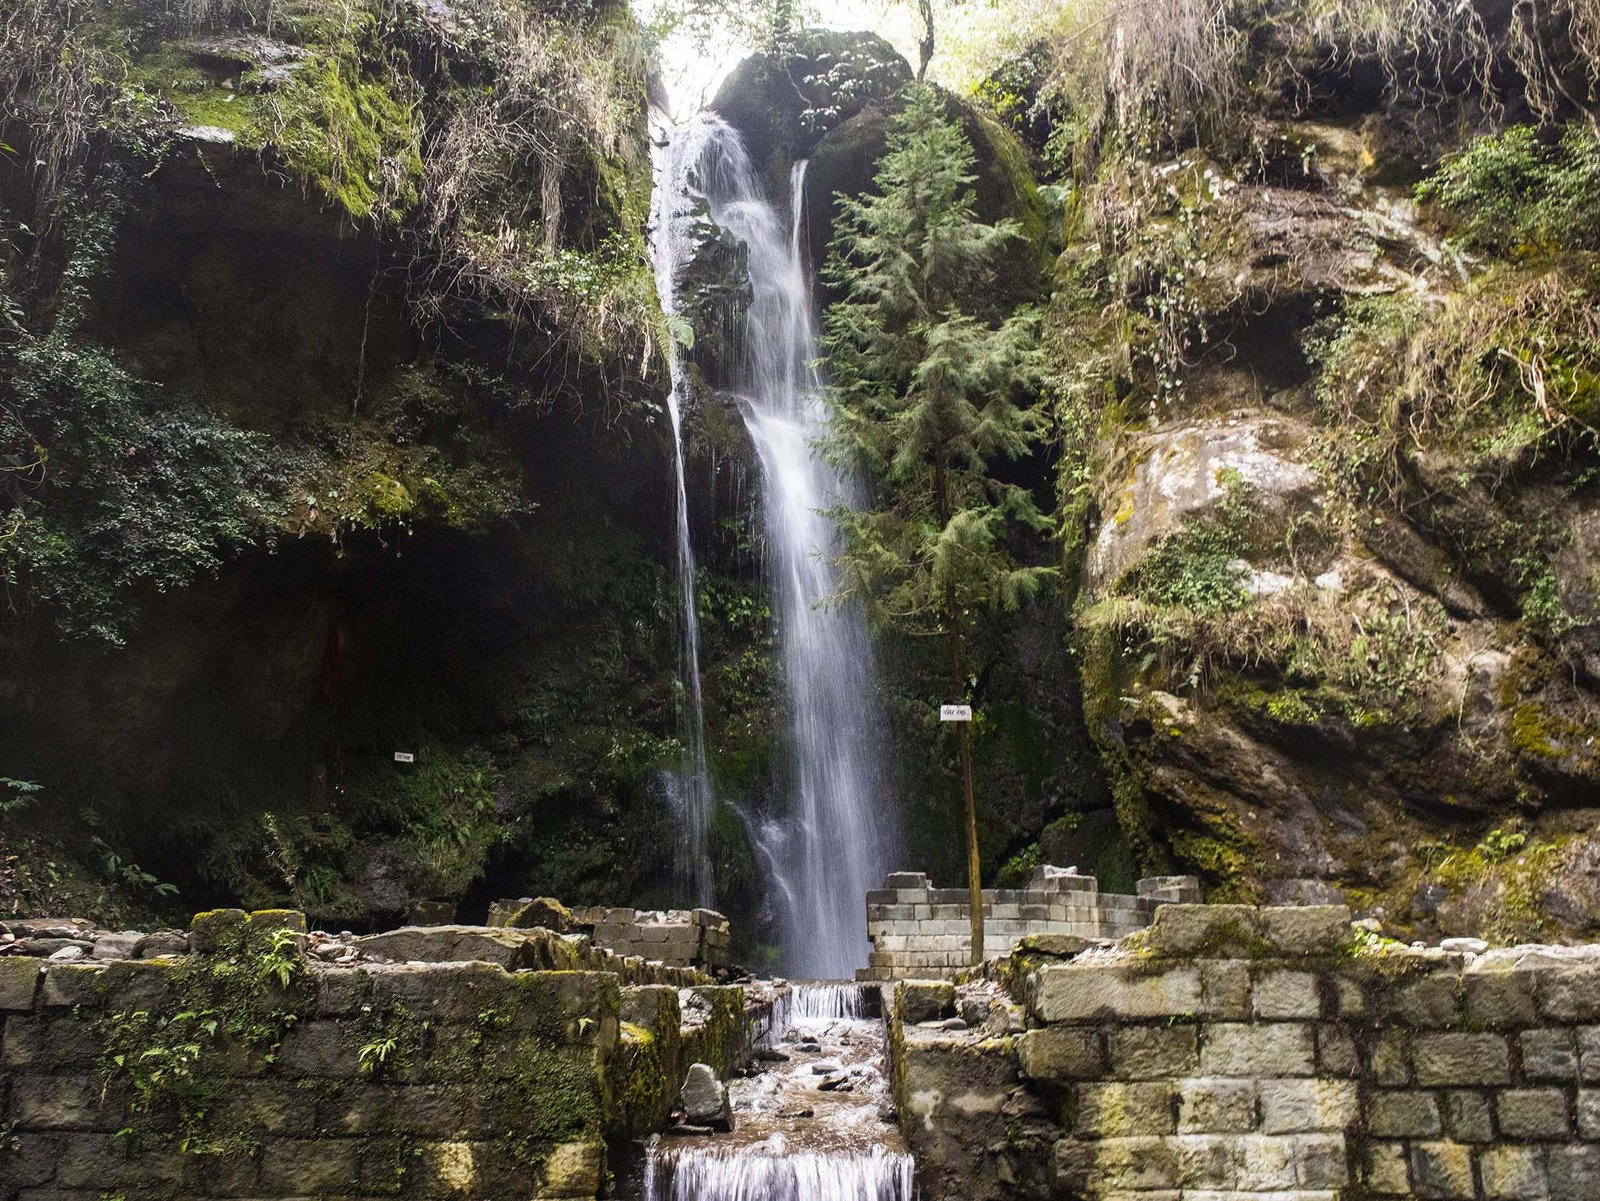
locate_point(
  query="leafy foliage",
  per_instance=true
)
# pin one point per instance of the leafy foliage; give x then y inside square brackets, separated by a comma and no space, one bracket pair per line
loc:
[106,485]
[1520,191]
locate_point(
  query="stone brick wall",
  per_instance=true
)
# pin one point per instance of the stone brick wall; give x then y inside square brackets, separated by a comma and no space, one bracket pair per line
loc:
[697,937]
[922,932]
[1245,1055]
[250,1069]
[680,937]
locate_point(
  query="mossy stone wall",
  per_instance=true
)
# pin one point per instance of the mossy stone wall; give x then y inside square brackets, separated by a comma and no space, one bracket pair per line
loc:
[246,1070]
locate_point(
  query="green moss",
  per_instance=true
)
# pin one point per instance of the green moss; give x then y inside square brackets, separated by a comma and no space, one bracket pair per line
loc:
[1531,730]
[350,136]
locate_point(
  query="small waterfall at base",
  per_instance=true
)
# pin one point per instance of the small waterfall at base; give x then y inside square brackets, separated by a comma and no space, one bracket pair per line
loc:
[813,1124]
[835,845]
[768,1174]
[803,1004]
[690,789]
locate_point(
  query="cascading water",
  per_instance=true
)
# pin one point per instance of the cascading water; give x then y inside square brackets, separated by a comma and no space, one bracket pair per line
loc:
[811,1127]
[834,845]
[692,796]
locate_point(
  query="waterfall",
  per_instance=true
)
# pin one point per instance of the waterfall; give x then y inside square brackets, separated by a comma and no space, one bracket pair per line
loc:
[691,793]
[768,1173]
[834,844]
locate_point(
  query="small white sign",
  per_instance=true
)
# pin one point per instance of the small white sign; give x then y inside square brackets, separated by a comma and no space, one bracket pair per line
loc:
[955,712]
[404,757]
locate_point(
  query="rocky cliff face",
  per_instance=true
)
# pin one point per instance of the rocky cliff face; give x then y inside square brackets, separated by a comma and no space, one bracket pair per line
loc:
[1336,472]
[330,430]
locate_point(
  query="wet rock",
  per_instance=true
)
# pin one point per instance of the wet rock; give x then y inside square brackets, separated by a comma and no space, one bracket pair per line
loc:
[705,1099]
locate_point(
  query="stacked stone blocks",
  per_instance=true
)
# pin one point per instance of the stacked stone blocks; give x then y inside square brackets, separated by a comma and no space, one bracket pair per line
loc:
[1273,1055]
[922,932]
[699,938]
[418,1080]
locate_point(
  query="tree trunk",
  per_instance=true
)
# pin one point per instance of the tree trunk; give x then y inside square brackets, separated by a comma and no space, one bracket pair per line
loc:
[958,690]
[925,45]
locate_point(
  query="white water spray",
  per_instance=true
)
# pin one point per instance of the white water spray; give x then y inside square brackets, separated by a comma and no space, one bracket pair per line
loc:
[834,846]
[767,1173]
[692,796]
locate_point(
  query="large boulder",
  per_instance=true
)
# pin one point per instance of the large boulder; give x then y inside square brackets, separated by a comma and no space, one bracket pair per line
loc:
[784,103]
[705,1099]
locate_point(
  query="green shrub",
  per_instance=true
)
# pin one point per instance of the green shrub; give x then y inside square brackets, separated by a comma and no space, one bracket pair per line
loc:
[1521,192]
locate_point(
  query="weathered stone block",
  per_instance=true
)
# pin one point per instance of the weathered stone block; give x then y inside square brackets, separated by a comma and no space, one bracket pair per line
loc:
[60,1103]
[1153,1052]
[1286,1049]
[1589,1053]
[1532,1113]
[1456,1058]
[1442,1170]
[1549,1055]
[1225,989]
[1281,994]
[1061,1053]
[306,1167]
[317,1048]
[1574,1173]
[1307,929]
[1391,1059]
[1570,993]
[19,982]
[216,928]
[1307,1106]
[1385,1168]
[1404,1115]
[1336,1052]
[1513,1174]
[1431,1002]
[1206,931]
[98,1161]
[1118,1110]
[68,984]
[1078,992]
[48,1044]
[1467,1118]
[1216,1106]
[32,1161]
[925,1000]
[573,1170]
[1140,1163]
[1499,999]
[1589,1114]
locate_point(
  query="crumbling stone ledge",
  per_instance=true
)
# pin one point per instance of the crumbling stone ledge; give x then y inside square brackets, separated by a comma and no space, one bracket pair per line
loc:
[1238,1054]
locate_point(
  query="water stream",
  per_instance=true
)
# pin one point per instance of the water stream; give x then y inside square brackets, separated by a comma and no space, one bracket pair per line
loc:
[690,788]
[814,1125]
[833,844]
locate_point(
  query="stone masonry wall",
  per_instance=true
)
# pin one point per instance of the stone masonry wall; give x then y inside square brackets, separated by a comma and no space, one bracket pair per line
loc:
[681,937]
[1235,1054]
[922,932]
[250,1068]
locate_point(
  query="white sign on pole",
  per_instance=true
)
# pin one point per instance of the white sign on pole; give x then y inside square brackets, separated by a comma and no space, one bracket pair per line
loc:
[404,757]
[955,712]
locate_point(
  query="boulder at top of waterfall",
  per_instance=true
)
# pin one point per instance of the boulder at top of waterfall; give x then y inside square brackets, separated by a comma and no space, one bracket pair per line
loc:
[782,103]
[705,1099]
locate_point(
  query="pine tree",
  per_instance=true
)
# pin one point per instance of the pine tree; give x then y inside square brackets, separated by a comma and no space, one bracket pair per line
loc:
[929,386]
